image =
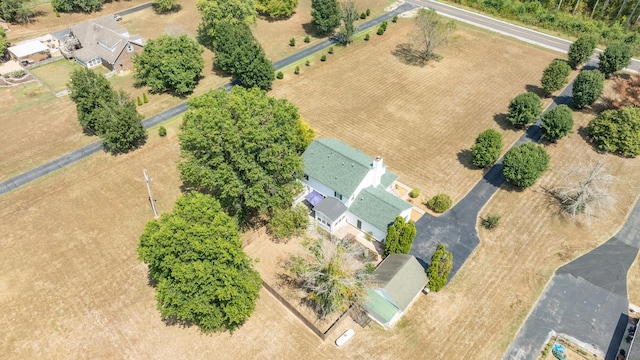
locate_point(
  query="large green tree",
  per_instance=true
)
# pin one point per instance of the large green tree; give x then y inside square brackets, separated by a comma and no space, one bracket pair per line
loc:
[557,123]
[276,8]
[555,76]
[4,42]
[581,50]
[524,164]
[325,16]
[86,6]
[487,148]
[617,131]
[105,112]
[332,277]
[214,11]
[203,276]
[170,63]
[243,147]
[241,55]
[348,16]
[121,129]
[587,88]
[439,268]
[287,222]
[90,91]
[524,109]
[16,11]
[400,237]
[614,58]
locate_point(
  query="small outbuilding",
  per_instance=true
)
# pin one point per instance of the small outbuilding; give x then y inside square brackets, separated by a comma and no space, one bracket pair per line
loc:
[29,52]
[397,283]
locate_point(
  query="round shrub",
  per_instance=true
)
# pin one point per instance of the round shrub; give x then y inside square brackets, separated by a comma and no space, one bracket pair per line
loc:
[617,131]
[297,70]
[414,193]
[368,12]
[555,76]
[307,39]
[323,58]
[557,123]
[486,151]
[491,222]
[363,16]
[524,164]
[366,37]
[380,31]
[292,42]
[587,88]
[394,19]
[439,203]
[524,109]
[162,131]
[330,51]
[280,75]
[307,63]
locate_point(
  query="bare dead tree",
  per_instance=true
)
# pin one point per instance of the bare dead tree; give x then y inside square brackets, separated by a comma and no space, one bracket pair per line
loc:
[431,31]
[585,190]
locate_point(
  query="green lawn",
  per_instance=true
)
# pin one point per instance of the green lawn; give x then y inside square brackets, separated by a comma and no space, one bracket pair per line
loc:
[56,75]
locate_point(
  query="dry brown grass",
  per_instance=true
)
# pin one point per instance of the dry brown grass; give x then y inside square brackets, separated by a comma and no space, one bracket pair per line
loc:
[71,285]
[421,119]
[35,127]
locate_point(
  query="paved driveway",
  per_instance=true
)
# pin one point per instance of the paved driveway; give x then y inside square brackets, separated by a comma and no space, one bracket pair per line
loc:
[586,299]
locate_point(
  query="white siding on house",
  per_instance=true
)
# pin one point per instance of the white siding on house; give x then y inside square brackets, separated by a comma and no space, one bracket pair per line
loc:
[378,234]
[406,214]
[323,189]
[323,220]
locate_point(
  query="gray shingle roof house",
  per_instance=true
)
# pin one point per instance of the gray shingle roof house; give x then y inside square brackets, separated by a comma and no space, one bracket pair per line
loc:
[101,41]
[345,185]
[398,281]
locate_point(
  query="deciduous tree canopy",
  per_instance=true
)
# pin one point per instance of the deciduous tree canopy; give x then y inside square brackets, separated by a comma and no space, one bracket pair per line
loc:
[16,11]
[214,11]
[587,88]
[105,112]
[524,109]
[555,76]
[524,164]
[241,55]
[4,42]
[325,15]
[487,148]
[617,131]
[557,123]
[163,6]
[76,5]
[348,15]
[203,276]
[614,58]
[431,32]
[400,237]
[170,63]
[277,8]
[581,50]
[243,147]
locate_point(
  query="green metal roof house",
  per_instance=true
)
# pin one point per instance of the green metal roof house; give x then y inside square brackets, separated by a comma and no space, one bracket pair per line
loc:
[398,281]
[345,185]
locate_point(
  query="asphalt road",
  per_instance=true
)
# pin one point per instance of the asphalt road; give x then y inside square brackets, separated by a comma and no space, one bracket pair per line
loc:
[505,28]
[586,299]
[70,158]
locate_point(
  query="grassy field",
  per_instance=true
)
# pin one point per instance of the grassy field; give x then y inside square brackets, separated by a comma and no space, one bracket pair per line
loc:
[56,74]
[71,285]
[35,127]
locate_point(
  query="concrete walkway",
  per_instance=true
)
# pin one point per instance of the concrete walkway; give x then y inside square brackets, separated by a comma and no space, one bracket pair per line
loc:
[77,155]
[586,299]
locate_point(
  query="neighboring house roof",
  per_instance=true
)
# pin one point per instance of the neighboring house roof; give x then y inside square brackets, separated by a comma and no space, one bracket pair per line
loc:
[28,48]
[104,38]
[336,165]
[401,278]
[378,207]
[331,207]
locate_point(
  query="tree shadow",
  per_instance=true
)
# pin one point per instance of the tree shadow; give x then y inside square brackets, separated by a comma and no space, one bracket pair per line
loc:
[268,18]
[583,131]
[536,90]
[176,8]
[174,321]
[464,157]
[501,120]
[407,55]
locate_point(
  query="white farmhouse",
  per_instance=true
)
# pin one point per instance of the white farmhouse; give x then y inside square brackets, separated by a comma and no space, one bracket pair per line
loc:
[345,185]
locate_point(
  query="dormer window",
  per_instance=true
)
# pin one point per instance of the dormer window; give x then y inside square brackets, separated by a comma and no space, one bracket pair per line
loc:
[337,195]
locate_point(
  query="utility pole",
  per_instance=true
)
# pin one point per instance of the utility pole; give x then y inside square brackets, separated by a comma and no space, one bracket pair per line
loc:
[147,179]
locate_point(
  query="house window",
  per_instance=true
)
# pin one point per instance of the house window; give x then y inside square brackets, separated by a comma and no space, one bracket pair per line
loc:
[129,48]
[337,195]
[359,224]
[306,177]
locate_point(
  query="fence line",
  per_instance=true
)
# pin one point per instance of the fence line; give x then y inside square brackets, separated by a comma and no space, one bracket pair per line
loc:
[295,311]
